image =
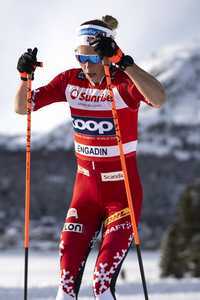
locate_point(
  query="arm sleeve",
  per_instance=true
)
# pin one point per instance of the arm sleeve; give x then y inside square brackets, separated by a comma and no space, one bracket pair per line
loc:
[130,93]
[53,92]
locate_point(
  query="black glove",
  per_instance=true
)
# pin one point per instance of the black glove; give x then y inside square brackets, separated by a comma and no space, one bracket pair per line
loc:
[104,46]
[27,62]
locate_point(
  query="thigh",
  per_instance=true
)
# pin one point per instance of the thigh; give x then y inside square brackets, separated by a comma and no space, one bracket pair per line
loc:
[77,237]
[85,212]
[82,224]
[114,194]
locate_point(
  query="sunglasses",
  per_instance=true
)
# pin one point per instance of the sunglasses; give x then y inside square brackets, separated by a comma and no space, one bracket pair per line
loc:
[93,59]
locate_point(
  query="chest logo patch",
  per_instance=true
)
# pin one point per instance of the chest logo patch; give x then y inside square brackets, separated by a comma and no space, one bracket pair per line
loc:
[88,98]
[93,126]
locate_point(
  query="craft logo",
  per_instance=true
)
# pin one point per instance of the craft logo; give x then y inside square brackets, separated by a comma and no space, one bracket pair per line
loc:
[95,126]
[72,212]
[123,226]
[73,227]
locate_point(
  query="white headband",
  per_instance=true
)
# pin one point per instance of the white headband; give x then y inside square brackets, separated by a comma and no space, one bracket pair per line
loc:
[87,32]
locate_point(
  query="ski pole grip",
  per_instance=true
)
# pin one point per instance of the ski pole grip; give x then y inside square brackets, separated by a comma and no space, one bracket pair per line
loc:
[39,64]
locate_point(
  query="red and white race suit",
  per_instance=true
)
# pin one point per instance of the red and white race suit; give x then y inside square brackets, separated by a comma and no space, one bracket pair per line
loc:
[99,197]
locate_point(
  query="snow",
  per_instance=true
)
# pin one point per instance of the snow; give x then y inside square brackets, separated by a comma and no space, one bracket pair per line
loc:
[44,276]
[165,130]
[177,67]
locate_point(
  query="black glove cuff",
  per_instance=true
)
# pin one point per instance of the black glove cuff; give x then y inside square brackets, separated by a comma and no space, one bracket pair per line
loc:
[125,62]
[24,77]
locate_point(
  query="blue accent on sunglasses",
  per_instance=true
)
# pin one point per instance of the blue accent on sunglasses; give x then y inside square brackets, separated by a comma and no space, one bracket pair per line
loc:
[93,59]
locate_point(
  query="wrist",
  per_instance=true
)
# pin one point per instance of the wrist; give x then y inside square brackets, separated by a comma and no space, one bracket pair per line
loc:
[117,57]
[24,76]
[126,61]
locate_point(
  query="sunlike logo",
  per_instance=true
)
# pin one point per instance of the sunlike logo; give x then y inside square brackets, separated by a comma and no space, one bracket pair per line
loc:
[86,95]
[74,93]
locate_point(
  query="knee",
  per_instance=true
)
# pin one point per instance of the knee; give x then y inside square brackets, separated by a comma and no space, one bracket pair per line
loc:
[61,246]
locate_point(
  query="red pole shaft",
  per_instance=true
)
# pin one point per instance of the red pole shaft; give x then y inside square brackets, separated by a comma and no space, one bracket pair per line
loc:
[28,164]
[126,180]
[121,151]
[28,184]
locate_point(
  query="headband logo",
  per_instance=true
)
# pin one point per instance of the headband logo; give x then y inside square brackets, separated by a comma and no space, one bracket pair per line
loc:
[91,31]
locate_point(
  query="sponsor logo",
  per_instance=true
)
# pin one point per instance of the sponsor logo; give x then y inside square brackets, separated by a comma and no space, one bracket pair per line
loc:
[81,75]
[74,93]
[91,31]
[117,216]
[104,151]
[117,227]
[96,126]
[73,227]
[112,176]
[89,96]
[93,98]
[91,151]
[83,171]
[72,212]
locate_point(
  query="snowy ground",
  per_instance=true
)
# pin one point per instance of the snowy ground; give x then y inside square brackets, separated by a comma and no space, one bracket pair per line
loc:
[43,278]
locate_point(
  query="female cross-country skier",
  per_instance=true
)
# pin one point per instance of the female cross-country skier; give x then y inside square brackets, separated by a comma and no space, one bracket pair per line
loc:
[99,196]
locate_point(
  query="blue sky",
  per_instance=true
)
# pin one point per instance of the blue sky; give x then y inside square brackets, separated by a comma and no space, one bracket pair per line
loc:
[144,27]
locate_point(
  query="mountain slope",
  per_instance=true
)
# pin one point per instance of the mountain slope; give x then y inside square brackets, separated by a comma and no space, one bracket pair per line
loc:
[174,128]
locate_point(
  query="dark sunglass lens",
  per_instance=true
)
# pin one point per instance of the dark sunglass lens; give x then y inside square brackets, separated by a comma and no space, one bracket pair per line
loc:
[94,59]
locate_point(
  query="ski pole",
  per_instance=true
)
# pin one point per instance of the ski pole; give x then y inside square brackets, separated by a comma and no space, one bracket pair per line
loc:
[28,181]
[125,172]
[28,177]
